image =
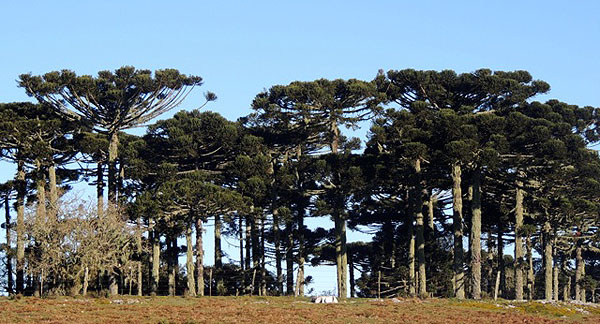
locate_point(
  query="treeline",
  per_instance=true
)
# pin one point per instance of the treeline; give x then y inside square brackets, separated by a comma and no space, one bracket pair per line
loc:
[456,170]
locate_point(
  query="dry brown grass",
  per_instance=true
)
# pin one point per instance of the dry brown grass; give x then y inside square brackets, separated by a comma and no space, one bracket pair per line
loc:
[285,310]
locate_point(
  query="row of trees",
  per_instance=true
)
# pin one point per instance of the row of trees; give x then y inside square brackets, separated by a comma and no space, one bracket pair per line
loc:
[450,159]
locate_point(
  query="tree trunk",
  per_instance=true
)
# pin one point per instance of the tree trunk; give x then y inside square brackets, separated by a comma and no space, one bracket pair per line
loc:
[140,253]
[555,282]
[277,242]
[530,274]
[9,267]
[578,271]
[191,284]
[53,203]
[171,256]
[340,254]
[21,192]
[500,256]
[300,279]
[351,270]
[567,290]
[155,261]
[420,236]
[457,220]
[476,236]
[490,262]
[547,261]
[263,269]
[519,241]
[218,251]
[289,258]
[411,258]
[430,204]
[241,237]
[199,258]
[86,279]
[113,152]
[100,188]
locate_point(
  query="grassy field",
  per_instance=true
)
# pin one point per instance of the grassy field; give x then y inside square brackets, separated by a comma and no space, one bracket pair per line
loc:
[287,310]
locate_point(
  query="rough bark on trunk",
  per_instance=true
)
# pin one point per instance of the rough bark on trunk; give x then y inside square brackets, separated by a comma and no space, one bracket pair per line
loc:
[113,151]
[555,283]
[21,192]
[500,256]
[170,264]
[300,279]
[476,236]
[341,256]
[547,261]
[277,242]
[420,231]
[100,188]
[191,283]
[351,270]
[9,267]
[218,251]
[85,281]
[411,258]
[567,290]
[519,241]
[241,239]
[578,273]
[199,258]
[263,269]
[139,252]
[289,259]
[457,220]
[490,263]
[530,274]
[155,261]
[53,199]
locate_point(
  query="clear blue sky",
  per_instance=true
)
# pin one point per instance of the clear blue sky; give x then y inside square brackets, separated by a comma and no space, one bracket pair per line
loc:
[243,47]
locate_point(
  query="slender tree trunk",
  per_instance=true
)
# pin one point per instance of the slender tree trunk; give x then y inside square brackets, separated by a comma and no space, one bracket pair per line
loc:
[53,201]
[430,216]
[170,264]
[9,266]
[457,220]
[199,258]
[86,280]
[40,212]
[218,251]
[113,152]
[263,269]
[218,256]
[21,192]
[519,241]
[100,188]
[351,270]
[555,282]
[530,274]
[289,259]
[500,256]
[548,261]
[476,236]
[340,253]
[248,242]
[300,279]
[191,284]
[241,237]
[277,242]
[490,262]
[255,238]
[140,253]
[579,265]
[155,261]
[420,236]
[567,290]
[411,258]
